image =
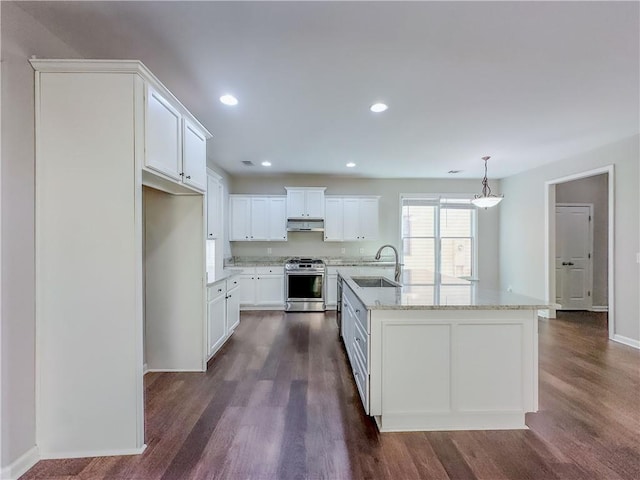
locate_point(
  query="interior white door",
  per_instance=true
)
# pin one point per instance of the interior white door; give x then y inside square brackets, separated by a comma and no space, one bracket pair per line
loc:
[573,257]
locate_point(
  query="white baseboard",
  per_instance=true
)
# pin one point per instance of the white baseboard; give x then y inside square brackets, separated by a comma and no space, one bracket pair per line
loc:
[94,453]
[626,341]
[173,370]
[252,308]
[21,465]
[599,308]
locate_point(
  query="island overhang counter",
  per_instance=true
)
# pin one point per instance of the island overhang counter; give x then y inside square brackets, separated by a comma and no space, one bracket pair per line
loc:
[446,356]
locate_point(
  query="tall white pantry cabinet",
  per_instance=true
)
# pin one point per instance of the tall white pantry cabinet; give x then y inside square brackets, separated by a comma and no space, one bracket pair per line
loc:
[120,232]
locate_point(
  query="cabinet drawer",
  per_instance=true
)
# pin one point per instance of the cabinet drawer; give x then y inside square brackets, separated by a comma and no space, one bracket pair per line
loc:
[272,270]
[233,283]
[216,290]
[362,382]
[358,309]
[361,346]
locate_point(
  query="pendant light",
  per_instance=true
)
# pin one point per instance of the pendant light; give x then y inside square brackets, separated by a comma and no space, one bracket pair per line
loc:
[487,199]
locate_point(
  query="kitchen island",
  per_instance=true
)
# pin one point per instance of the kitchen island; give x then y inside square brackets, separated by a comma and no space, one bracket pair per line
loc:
[448,355]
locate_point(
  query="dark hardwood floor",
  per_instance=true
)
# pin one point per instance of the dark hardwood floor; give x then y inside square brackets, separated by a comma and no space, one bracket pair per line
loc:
[279,402]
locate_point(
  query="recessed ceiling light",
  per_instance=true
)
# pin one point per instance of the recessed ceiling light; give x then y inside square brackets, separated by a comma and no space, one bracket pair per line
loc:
[378,107]
[266,163]
[351,164]
[229,100]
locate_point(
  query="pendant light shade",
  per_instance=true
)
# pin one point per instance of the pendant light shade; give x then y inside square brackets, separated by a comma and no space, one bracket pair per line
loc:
[486,199]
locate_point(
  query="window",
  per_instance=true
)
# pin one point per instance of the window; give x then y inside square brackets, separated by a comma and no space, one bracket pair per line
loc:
[438,236]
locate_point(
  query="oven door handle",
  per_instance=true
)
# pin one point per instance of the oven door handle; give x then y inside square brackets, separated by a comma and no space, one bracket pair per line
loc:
[304,274]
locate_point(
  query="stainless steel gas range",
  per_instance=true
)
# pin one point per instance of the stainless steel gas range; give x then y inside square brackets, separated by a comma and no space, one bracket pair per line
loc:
[304,285]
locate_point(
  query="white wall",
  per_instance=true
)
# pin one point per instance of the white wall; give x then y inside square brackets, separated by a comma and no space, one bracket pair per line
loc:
[522,229]
[22,37]
[312,244]
[594,190]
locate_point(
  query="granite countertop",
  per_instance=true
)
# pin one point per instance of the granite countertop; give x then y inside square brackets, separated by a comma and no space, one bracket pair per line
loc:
[445,293]
[226,275]
[329,261]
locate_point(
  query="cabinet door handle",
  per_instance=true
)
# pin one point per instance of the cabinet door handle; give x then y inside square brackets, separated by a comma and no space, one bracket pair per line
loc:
[188,176]
[219,289]
[357,340]
[182,174]
[356,374]
[357,311]
[211,234]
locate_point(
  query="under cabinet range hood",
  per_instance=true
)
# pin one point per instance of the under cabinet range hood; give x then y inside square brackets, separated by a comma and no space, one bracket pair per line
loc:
[305,225]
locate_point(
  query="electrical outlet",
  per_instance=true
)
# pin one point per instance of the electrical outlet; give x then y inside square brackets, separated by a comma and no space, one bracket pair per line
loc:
[361,250]
[269,251]
[343,250]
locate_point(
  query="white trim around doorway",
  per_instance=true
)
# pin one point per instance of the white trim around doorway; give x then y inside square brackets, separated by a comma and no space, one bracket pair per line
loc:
[550,233]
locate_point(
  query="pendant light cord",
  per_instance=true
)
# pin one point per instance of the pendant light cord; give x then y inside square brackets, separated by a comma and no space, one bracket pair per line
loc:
[486,190]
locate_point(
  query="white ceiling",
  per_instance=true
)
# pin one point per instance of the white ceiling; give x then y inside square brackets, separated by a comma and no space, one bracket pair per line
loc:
[525,82]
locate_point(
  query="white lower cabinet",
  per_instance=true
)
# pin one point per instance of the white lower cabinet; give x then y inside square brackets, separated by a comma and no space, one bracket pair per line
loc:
[216,318]
[262,287]
[355,333]
[223,313]
[233,309]
[332,287]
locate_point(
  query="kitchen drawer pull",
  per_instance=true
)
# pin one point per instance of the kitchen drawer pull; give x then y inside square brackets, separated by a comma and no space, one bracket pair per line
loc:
[357,339]
[219,289]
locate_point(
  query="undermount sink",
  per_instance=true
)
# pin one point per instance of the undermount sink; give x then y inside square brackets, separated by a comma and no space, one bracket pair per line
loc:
[374,282]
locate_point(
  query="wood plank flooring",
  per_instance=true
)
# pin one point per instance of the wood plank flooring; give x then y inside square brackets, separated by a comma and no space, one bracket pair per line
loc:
[279,402]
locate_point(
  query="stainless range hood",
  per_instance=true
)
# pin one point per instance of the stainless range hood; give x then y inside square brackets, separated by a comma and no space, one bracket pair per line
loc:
[305,225]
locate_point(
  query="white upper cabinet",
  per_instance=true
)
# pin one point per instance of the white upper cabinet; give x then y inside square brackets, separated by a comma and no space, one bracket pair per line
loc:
[305,202]
[214,206]
[368,213]
[163,127]
[257,218]
[333,228]
[351,219]
[175,144]
[194,161]
[296,203]
[277,218]
[239,217]
[315,203]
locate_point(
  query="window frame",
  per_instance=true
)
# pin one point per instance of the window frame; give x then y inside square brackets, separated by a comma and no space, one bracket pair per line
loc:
[437,199]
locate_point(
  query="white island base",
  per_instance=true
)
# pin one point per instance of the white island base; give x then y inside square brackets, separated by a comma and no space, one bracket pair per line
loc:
[453,369]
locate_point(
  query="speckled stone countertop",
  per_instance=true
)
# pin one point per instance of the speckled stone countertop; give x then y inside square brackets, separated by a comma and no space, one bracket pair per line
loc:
[240,262]
[446,293]
[227,274]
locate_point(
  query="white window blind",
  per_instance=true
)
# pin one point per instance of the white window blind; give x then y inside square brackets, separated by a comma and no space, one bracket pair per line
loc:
[438,236]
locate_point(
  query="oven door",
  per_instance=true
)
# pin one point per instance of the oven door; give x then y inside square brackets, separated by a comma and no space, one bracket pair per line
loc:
[305,291]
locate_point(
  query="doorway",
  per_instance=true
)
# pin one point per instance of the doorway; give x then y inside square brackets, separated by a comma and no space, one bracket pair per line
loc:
[579,242]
